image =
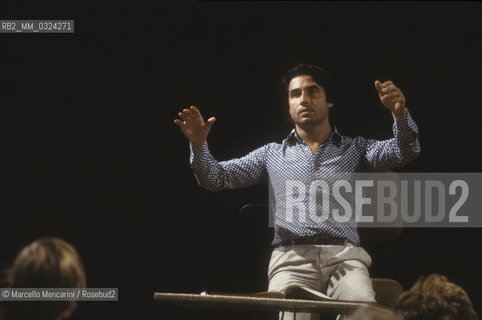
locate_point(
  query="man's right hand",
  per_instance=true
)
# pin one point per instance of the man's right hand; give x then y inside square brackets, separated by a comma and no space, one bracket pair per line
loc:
[193,125]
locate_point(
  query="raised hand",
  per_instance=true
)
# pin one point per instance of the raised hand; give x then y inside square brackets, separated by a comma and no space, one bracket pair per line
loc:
[392,98]
[193,125]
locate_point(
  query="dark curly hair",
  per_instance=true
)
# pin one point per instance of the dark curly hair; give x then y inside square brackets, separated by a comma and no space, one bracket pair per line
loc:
[435,298]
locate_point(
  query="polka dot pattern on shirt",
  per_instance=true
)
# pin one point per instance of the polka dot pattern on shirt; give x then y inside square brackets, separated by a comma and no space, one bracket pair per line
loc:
[293,160]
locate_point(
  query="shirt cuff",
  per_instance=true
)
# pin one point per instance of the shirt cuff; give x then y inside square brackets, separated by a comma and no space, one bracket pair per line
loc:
[405,128]
[400,122]
[196,152]
[203,147]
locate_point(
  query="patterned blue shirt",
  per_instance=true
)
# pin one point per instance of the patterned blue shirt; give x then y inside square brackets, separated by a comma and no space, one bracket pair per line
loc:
[294,158]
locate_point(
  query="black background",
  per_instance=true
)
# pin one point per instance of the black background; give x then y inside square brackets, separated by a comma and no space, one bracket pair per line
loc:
[90,152]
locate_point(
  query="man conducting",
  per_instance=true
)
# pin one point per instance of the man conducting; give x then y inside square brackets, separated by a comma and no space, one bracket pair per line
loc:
[320,257]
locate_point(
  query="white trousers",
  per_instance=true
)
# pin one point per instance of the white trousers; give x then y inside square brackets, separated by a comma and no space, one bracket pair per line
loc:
[339,272]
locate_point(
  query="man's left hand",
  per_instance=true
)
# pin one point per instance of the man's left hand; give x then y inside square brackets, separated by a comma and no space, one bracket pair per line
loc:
[392,98]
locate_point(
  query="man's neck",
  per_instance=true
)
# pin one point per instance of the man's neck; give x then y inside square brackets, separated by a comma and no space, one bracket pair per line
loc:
[314,136]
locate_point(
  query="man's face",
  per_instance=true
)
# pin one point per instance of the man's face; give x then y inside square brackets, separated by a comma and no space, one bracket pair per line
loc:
[307,102]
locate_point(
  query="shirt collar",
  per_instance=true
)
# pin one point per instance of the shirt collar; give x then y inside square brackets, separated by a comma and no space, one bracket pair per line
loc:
[335,137]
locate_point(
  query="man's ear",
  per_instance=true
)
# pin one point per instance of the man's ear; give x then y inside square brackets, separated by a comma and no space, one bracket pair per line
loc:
[69,310]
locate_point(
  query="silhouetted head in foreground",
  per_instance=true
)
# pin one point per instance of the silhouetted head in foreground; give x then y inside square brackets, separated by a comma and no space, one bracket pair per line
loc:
[45,263]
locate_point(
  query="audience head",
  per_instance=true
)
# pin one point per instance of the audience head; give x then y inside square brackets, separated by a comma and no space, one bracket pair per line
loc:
[45,263]
[435,298]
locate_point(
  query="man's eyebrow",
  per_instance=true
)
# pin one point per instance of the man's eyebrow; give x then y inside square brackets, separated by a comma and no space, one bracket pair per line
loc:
[313,87]
[294,90]
[307,88]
